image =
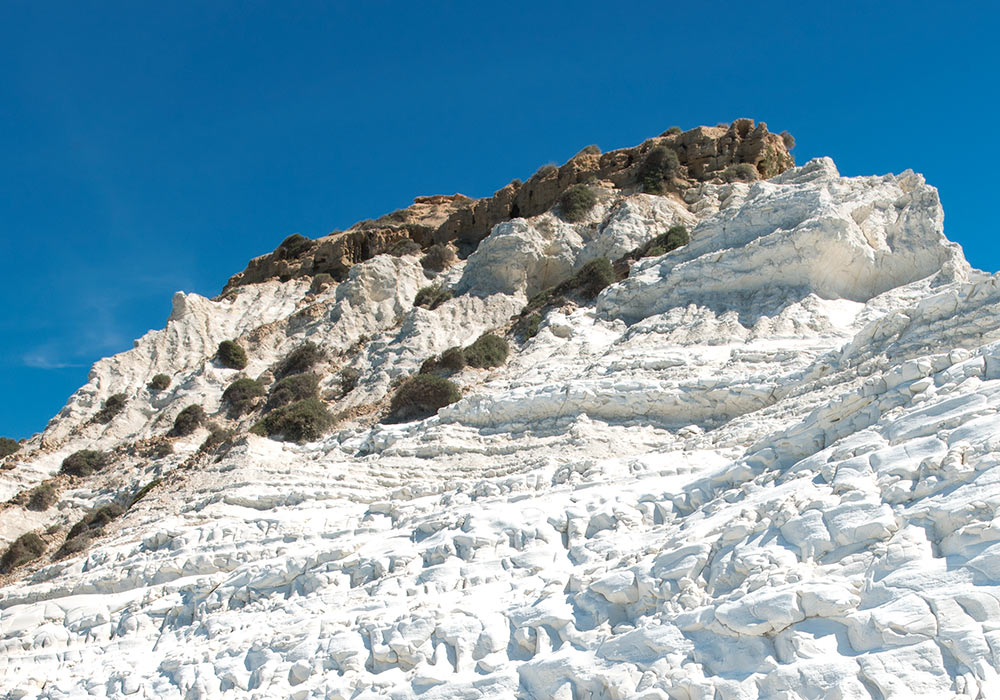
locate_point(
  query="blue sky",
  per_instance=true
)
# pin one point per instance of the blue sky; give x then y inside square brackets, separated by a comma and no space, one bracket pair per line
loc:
[154,147]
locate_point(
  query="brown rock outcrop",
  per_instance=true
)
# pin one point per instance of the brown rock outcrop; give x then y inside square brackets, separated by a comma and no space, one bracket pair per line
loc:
[703,153]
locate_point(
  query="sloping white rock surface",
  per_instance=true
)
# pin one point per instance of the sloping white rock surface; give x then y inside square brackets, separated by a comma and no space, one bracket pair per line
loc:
[766,465]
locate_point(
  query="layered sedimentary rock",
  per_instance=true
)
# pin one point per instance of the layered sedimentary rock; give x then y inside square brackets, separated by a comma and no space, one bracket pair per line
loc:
[703,153]
[763,465]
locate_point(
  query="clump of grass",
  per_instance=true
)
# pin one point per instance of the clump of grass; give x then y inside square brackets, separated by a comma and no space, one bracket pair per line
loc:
[591,150]
[8,446]
[673,131]
[188,420]
[159,382]
[231,354]
[302,421]
[42,497]
[432,297]
[299,360]
[659,167]
[84,463]
[240,395]
[488,351]
[294,388]
[422,395]
[24,549]
[576,202]
[113,405]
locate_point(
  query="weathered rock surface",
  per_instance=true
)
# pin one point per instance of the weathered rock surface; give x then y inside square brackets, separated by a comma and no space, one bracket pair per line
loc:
[765,465]
[704,153]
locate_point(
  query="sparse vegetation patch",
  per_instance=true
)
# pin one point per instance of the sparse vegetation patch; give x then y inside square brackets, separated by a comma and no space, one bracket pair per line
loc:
[740,172]
[438,257]
[188,420]
[294,246]
[231,354]
[25,548]
[114,405]
[432,297]
[659,167]
[240,395]
[576,202]
[8,446]
[84,463]
[42,497]
[159,382]
[294,388]
[301,421]
[422,395]
[301,359]
[488,351]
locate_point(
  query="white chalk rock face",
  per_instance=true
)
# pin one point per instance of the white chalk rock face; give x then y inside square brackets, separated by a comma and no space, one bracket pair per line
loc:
[805,231]
[526,256]
[765,465]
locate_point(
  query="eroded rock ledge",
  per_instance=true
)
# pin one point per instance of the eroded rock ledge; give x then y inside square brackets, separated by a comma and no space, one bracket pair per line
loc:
[703,153]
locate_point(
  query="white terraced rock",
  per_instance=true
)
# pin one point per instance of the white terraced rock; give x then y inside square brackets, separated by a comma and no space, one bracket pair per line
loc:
[765,465]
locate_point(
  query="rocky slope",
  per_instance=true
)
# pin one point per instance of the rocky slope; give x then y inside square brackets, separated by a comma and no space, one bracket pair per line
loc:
[762,465]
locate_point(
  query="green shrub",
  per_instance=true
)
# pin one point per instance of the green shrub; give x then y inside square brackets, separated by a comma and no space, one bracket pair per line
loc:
[453,359]
[25,548]
[432,297]
[72,546]
[675,237]
[438,257]
[404,246]
[301,421]
[529,328]
[660,165]
[231,354]
[576,202]
[593,277]
[348,380]
[299,360]
[159,382]
[673,131]
[788,140]
[294,388]
[422,395]
[591,150]
[42,497]
[188,420]
[8,446]
[294,246]
[114,405]
[240,395]
[740,172]
[320,282]
[488,351]
[217,436]
[84,463]
[96,519]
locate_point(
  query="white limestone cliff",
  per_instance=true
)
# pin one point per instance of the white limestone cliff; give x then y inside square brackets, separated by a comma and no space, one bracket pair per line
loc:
[765,465]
